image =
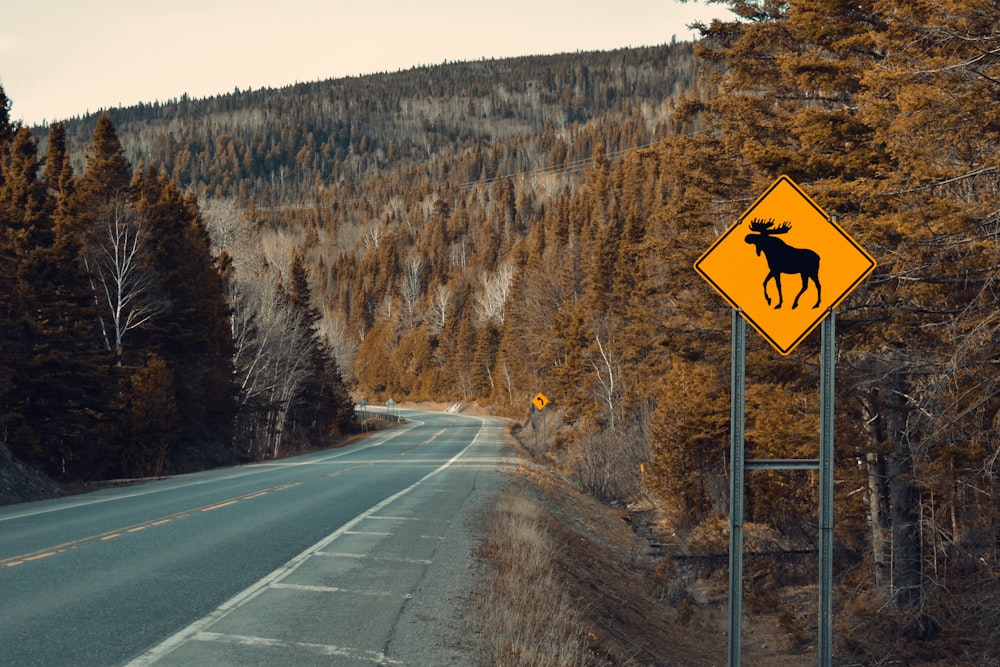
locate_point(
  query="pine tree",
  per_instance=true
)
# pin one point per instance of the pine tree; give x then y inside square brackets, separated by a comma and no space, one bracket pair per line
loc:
[62,379]
[14,339]
[322,406]
[192,335]
[58,175]
[864,103]
[108,174]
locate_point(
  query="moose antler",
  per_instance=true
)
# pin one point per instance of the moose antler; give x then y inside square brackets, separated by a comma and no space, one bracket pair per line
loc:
[767,227]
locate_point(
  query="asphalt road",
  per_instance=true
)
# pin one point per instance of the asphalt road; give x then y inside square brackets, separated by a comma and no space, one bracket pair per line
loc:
[354,556]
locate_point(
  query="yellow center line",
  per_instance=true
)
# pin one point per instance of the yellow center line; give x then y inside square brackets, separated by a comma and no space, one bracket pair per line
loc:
[225,504]
[20,559]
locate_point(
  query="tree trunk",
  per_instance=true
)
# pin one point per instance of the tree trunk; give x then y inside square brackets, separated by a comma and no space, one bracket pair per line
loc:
[907,575]
[878,508]
[878,494]
[906,559]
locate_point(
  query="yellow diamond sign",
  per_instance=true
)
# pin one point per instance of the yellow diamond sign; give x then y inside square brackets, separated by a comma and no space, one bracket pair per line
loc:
[785,264]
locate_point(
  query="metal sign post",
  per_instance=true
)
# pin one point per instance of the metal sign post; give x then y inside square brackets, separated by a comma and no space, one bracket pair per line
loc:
[737,414]
[739,465]
[828,360]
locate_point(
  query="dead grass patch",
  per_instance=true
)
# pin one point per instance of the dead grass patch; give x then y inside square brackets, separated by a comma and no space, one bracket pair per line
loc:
[568,583]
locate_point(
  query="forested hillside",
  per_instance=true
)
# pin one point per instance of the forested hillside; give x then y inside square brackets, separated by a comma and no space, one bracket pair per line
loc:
[119,329]
[484,231]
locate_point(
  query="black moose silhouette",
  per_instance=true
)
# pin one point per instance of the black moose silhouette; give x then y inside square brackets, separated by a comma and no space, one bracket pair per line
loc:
[783,258]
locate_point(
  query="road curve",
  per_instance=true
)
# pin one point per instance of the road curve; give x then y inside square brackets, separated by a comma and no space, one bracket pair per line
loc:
[354,556]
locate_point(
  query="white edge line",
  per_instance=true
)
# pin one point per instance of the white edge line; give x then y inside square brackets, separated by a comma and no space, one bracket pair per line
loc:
[248,594]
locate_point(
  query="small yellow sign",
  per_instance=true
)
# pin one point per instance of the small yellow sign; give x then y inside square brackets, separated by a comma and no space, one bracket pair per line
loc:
[785,264]
[539,401]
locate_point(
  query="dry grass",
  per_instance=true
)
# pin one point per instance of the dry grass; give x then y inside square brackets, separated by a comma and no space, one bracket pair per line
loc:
[569,584]
[527,618]
[573,581]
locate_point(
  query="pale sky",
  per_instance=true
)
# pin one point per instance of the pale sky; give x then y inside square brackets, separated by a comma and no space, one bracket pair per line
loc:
[63,58]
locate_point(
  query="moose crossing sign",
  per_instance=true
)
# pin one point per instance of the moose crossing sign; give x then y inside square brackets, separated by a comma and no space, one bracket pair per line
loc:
[785,264]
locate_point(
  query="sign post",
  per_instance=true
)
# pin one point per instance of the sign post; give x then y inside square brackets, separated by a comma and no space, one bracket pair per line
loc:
[826,265]
[737,415]
[824,645]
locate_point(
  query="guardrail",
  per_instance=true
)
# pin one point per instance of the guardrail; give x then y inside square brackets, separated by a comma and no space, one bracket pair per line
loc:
[368,419]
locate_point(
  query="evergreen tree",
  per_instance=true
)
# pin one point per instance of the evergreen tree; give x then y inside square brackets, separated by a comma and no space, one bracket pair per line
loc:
[13,334]
[58,175]
[7,128]
[864,102]
[192,335]
[63,378]
[108,173]
[322,406]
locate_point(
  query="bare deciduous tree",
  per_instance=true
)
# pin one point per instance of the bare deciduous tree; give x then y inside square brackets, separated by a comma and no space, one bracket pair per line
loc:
[608,371]
[492,295]
[459,254]
[127,286]
[224,219]
[372,238]
[272,343]
[272,353]
[440,305]
[409,289]
[337,332]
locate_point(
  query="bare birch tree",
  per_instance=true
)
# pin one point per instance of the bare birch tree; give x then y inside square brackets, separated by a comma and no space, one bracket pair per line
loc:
[336,331]
[491,298]
[272,344]
[440,305]
[224,219]
[272,354]
[127,286]
[608,371]
[409,289]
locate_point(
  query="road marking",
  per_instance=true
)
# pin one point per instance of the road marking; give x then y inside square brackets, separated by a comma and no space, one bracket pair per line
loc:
[308,587]
[374,657]
[41,556]
[384,559]
[243,471]
[340,554]
[222,504]
[20,559]
[199,627]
